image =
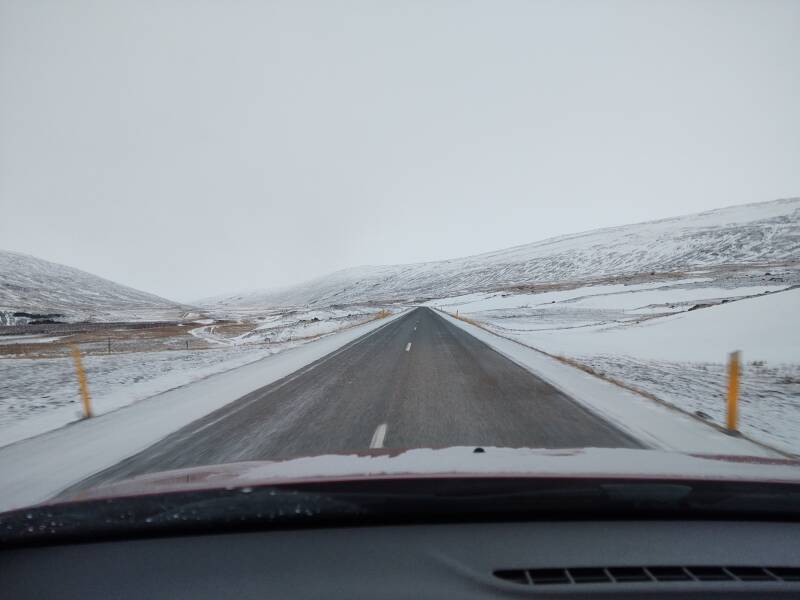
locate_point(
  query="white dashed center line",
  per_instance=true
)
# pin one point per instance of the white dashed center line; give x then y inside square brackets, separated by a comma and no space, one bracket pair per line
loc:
[408,346]
[378,436]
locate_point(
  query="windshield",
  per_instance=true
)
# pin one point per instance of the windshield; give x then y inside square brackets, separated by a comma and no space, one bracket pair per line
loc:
[256,243]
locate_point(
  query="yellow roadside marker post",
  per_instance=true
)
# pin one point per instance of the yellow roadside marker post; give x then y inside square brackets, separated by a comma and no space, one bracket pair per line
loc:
[82,383]
[733,391]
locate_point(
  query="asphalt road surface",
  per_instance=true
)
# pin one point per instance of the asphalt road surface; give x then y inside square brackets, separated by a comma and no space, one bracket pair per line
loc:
[418,381]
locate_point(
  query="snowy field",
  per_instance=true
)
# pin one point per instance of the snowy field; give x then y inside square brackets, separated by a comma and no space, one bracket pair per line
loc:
[40,394]
[300,324]
[278,326]
[671,340]
[770,394]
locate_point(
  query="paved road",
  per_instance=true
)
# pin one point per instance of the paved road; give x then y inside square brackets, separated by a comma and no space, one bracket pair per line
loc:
[418,381]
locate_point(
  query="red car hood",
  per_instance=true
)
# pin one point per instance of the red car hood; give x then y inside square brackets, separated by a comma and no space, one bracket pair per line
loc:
[460,462]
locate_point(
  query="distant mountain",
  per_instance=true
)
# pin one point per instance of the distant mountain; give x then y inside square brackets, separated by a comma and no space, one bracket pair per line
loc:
[749,234]
[36,289]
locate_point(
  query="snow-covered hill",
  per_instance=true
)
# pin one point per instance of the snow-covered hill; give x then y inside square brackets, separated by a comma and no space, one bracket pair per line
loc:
[766,232]
[32,286]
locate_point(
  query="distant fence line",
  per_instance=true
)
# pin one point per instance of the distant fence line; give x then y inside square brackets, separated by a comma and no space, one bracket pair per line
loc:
[65,328]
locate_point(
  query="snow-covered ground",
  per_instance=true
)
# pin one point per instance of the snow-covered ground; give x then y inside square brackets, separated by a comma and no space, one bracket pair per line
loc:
[769,405]
[280,325]
[303,323]
[7,340]
[40,394]
[645,336]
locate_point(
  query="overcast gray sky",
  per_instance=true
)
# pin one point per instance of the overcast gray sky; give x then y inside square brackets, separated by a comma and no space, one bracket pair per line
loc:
[191,148]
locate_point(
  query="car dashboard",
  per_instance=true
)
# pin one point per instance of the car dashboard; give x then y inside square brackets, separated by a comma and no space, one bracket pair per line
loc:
[536,559]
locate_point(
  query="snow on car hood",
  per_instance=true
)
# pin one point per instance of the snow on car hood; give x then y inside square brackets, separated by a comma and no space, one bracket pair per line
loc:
[459,462]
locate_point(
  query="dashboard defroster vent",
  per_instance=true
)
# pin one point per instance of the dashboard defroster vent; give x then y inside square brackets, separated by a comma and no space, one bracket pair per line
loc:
[655,574]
